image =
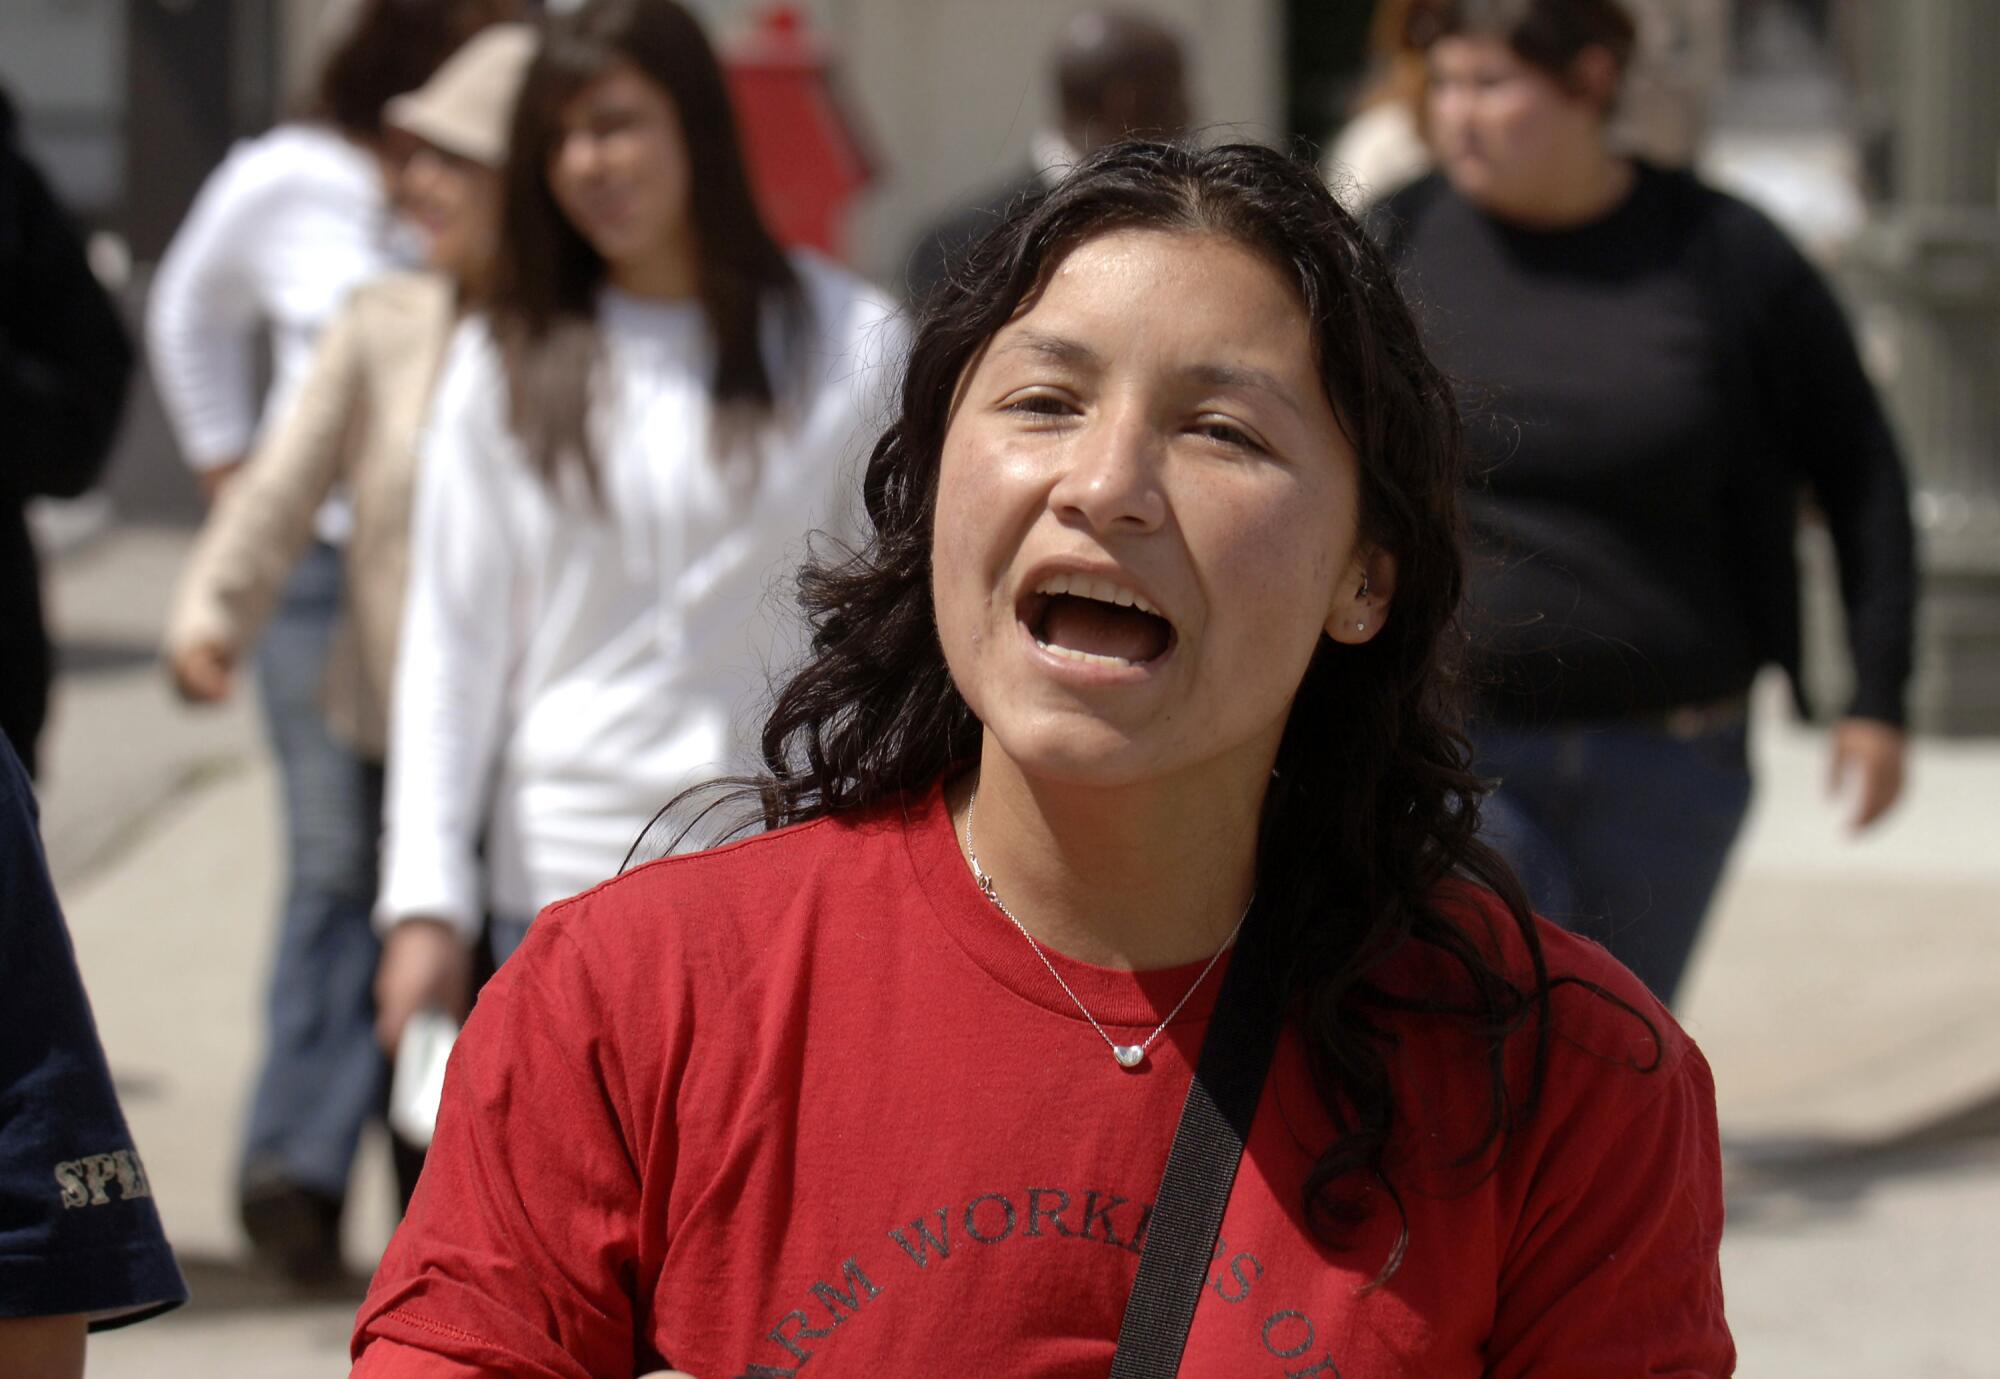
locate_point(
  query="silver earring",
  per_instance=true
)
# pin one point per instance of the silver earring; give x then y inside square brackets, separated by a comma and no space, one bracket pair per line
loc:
[1361,627]
[1364,586]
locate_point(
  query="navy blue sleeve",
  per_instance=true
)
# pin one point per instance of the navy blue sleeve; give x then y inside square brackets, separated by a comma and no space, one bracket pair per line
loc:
[79,1232]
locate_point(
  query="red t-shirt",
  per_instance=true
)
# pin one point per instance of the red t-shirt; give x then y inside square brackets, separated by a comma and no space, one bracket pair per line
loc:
[808,1105]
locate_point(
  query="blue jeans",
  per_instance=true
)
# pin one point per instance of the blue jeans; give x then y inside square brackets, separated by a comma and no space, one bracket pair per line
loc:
[323,1075]
[505,933]
[1619,831]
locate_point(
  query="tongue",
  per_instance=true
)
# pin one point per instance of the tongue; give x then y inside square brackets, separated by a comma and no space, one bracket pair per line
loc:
[1103,629]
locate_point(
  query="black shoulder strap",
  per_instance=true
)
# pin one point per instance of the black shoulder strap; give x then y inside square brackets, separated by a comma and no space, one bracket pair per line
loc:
[1201,1167]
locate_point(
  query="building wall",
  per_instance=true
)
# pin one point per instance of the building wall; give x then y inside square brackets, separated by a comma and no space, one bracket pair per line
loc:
[63,61]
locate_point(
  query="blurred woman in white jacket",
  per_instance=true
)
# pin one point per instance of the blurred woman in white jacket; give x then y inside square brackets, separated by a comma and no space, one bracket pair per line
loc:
[625,452]
[278,238]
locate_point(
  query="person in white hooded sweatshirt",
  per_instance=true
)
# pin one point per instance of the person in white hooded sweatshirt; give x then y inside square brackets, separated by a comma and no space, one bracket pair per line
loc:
[279,236]
[625,452]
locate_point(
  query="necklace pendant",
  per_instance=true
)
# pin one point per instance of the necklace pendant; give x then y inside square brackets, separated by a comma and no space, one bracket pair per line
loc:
[1128,1055]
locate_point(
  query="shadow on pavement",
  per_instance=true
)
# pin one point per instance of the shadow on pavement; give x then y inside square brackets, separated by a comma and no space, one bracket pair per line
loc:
[217,1285]
[1777,1182]
[96,656]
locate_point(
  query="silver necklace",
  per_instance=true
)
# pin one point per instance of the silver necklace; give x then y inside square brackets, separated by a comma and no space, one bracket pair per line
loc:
[1128,1055]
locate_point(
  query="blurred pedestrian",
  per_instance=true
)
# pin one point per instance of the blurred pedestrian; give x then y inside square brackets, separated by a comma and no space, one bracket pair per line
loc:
[355,424]
[1669,80]
[650,415]
[64,364]
[1127,744]
[358,416]
[1654,374]
[280,234]
[1116,73]
[81,1247]
[1381,147]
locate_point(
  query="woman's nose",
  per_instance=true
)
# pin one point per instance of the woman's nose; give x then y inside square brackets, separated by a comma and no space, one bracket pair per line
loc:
[578,155]
[1111,480]
[415,178]
[1446,107]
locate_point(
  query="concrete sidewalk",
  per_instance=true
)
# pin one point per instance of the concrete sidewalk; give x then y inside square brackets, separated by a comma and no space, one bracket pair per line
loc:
[1848,996]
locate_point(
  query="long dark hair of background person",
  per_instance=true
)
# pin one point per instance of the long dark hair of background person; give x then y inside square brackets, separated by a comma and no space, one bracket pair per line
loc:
[545,297]
[1373,808]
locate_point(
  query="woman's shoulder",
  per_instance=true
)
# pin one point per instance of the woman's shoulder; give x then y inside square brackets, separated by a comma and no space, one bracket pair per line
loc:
[401,291]
[737,896]
[1596,1007]
[1415,196]
[1598,1058]
[855,337]
[291,159]
[472,354]
[1686,188]
[1392,220]
[474,372]
[466,417]
[844,304]
[1740,237]
[397,305]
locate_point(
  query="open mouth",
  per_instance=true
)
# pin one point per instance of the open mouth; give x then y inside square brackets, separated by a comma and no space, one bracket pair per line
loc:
[1083,618]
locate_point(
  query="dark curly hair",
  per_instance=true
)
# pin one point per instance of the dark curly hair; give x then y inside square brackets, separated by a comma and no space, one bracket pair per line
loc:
[1547,34]
[1373,810]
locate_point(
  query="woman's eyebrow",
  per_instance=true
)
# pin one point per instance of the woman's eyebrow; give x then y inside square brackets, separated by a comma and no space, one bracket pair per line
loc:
[1060,349]
[1056,349]
[1238,377]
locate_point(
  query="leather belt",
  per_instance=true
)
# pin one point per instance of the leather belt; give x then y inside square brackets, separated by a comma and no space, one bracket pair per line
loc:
[1684,722]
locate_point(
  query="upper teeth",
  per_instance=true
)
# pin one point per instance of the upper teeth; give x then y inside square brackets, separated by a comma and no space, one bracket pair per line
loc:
[1102,590]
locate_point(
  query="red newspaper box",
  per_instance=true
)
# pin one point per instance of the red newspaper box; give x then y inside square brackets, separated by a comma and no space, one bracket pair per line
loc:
[806,155]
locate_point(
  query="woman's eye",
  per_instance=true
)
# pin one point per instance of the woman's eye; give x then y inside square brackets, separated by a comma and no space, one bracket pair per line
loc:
[1227,433]
[1042,405]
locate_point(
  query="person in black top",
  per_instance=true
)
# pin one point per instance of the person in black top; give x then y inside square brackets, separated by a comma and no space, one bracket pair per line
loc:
[80,1239]
[1651,376]
[1117,73]
[64,363]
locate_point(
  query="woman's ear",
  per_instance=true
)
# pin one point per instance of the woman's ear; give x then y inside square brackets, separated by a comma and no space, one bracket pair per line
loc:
[1361,604]
[1594,77]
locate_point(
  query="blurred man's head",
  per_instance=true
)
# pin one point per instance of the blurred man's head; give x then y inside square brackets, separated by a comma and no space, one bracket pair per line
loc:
[1119,74]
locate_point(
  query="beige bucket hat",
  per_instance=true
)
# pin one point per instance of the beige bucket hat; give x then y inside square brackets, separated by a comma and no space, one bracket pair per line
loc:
[467,105]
